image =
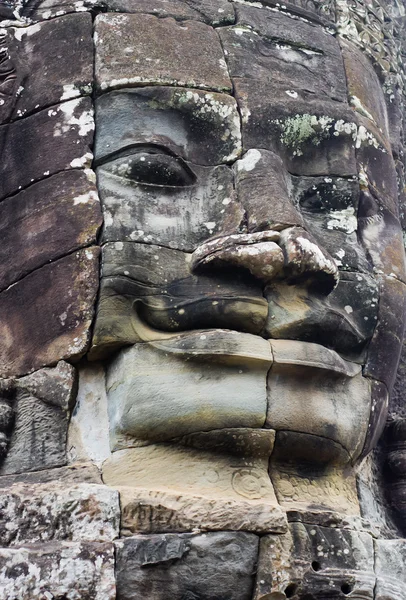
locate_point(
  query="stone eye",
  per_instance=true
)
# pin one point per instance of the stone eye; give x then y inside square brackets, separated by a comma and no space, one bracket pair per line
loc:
[154,169]
[324,197]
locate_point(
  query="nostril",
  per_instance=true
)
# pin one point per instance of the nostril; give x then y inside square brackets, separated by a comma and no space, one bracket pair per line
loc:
[306,260]
[258,253]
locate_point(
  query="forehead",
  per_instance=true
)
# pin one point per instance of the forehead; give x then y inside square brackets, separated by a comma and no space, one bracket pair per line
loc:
[198,87]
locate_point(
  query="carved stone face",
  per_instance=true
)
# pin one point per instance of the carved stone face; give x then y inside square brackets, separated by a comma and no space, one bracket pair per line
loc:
[251,306]
[252,258]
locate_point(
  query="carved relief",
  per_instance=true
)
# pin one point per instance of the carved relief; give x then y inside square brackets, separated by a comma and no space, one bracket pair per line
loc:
[237,359]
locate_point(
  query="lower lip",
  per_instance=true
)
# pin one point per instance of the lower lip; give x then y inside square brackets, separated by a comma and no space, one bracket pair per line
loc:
[234,345]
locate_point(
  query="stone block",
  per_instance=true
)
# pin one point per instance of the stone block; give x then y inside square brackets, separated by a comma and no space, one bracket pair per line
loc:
[330,209]
[212,565]
[171,121]
[299,129]
[312,561]
[52,140]
[42,76]
[166,488]
[390,561]
[378,416]
[49,9]
[49,313]
[196,202]
[141,49]
[263,189]
[56,570]
[88,434]
[345,320]
[41,405]
[80,472]
[364,87]
[155,394]
[212,12]
[386,344]
[319,401]
[381,235]
[313,475]
[40,513]
[267,45]
[45,222]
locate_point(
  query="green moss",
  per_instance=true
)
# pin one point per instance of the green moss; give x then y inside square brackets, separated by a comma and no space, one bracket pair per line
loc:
[302,129]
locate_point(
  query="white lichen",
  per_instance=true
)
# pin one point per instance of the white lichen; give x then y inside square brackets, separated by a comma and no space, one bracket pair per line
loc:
[343,220]
[250,160]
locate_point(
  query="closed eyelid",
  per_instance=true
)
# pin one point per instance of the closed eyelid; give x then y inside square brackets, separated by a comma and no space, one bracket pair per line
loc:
[133,150]
[151,167]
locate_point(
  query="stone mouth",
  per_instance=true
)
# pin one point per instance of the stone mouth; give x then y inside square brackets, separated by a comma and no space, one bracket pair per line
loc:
[231,345]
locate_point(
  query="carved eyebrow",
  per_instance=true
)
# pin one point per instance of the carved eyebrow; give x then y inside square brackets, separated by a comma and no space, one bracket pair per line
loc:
[136,148]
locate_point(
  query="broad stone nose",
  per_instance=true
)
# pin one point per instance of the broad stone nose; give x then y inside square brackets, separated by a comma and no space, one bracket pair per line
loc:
[291,254]
[263,187]
[276,245]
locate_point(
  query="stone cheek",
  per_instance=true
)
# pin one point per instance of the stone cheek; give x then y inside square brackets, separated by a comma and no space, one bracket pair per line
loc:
[43,337]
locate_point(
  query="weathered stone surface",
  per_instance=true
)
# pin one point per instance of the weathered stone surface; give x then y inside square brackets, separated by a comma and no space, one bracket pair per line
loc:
[390,556]
[330,209]
[381,235]
[320,402]
[41,404]
[80,472]
[53,140]
[197,202]
[43,77]
[386,343]
[56,570]
[238,441]
[34,513]
[316,562]
[290,85]
[364,87]
[213,565]
[268,46]
[88,435]
[306,354]
[166,488]
[200,127]
[152,288]
[313,475]
[300,130]
[263,188]
[46,316]
[394,467]
[43,10]
[157,511]
[213,12]
[46,221]
[152,392]
[344,320]
[372,489]
[139,49]
[314,10]
[378,173]
[378,416]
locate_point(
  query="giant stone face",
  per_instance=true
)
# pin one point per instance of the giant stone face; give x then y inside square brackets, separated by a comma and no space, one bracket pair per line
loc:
[240,182]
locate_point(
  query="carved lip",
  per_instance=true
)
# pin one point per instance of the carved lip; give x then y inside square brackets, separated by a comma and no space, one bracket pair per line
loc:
[234,346]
